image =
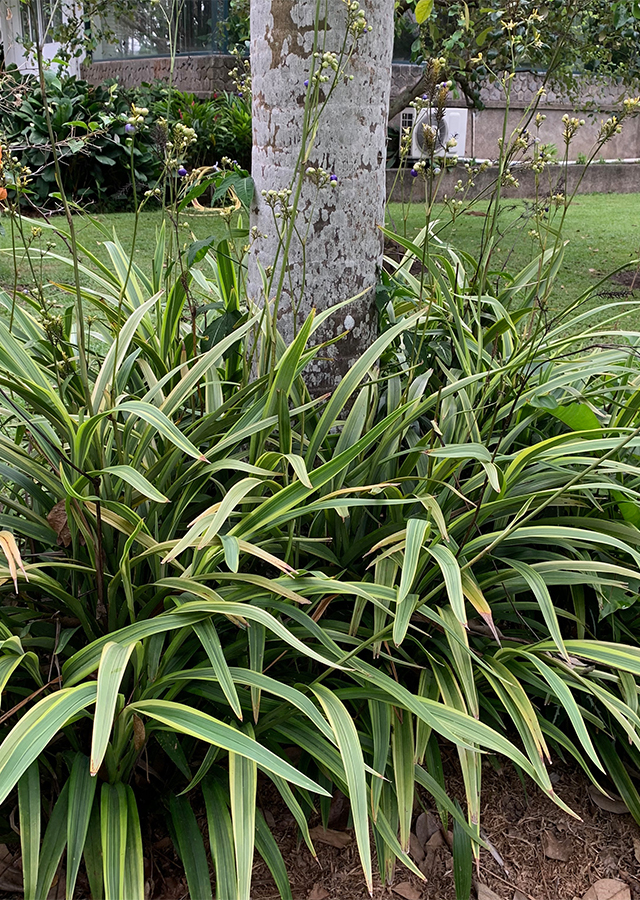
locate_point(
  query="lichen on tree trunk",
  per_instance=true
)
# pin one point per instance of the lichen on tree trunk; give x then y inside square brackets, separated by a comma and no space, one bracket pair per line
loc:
[340,253]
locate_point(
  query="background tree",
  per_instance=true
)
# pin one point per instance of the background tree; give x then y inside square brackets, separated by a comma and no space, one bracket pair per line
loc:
[320,105]
[577,39]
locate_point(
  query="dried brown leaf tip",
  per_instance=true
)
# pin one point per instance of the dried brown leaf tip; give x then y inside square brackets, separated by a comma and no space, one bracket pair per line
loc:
[14,560]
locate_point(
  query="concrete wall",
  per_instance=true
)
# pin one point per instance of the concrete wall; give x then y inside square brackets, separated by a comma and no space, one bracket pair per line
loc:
[204,74]
[610,178]
[485,126]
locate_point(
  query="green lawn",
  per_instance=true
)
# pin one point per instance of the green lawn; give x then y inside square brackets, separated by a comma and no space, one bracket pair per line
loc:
[192,226]
[602,230]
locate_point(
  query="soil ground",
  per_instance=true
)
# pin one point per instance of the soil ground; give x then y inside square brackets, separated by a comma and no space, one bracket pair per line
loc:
[520,823]
[523,828]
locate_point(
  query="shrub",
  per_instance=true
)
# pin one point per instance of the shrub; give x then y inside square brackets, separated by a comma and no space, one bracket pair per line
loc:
[89,127]
[222,123]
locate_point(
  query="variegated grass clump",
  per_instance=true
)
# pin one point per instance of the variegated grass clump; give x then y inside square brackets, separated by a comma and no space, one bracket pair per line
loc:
[202,571]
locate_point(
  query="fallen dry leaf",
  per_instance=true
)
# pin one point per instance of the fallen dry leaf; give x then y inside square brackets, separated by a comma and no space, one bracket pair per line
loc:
[520,896]
[406,889]
[57,518]
[339,839]
[10,871]
[416,849]
[554,848]
[612,804]
[428,862]
[636,849]
[139,734]
[485,892]
[436,840]
[318,893]
[608,889]
[426,825]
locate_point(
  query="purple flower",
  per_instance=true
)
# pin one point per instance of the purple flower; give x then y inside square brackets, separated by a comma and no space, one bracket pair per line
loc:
[424,97]
[129,128]
[413,173]
[333,178]
[306,84]
[182,171]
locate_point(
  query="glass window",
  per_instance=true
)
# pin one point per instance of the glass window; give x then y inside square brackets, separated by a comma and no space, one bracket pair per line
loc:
[40,17]
[197,26]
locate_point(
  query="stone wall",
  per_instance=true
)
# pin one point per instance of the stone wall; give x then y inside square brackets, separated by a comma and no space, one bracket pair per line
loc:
[200,74]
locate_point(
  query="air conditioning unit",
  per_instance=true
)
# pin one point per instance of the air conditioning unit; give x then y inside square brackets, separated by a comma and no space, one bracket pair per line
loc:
[452,125]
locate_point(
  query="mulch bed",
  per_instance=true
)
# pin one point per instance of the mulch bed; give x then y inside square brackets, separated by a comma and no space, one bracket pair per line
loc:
[525,830]
[520,822]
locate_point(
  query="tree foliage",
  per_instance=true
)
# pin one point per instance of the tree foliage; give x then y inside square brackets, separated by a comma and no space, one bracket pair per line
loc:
[573,39]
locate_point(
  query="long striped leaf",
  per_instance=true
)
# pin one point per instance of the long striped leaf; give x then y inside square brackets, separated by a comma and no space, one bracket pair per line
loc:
[28,738]
[113,831]
[402,749]
[163,425]
[567,701]
[93,853]
[380,715]
[257,636]
[295,809]
[416,530]
[450,569]
[278,508]
[55,838]
[113,662]
[462,862]
[243,782]
[87,660]
[351,752]
[206,728]
[541,592]
[134,860]
[82,789]
[618,773]
[270,852]
[241,611]
[210,641]
[615,656]
[117,353]
[29,808]
[340,397]
[220,838]
[137,481]
[191,847]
